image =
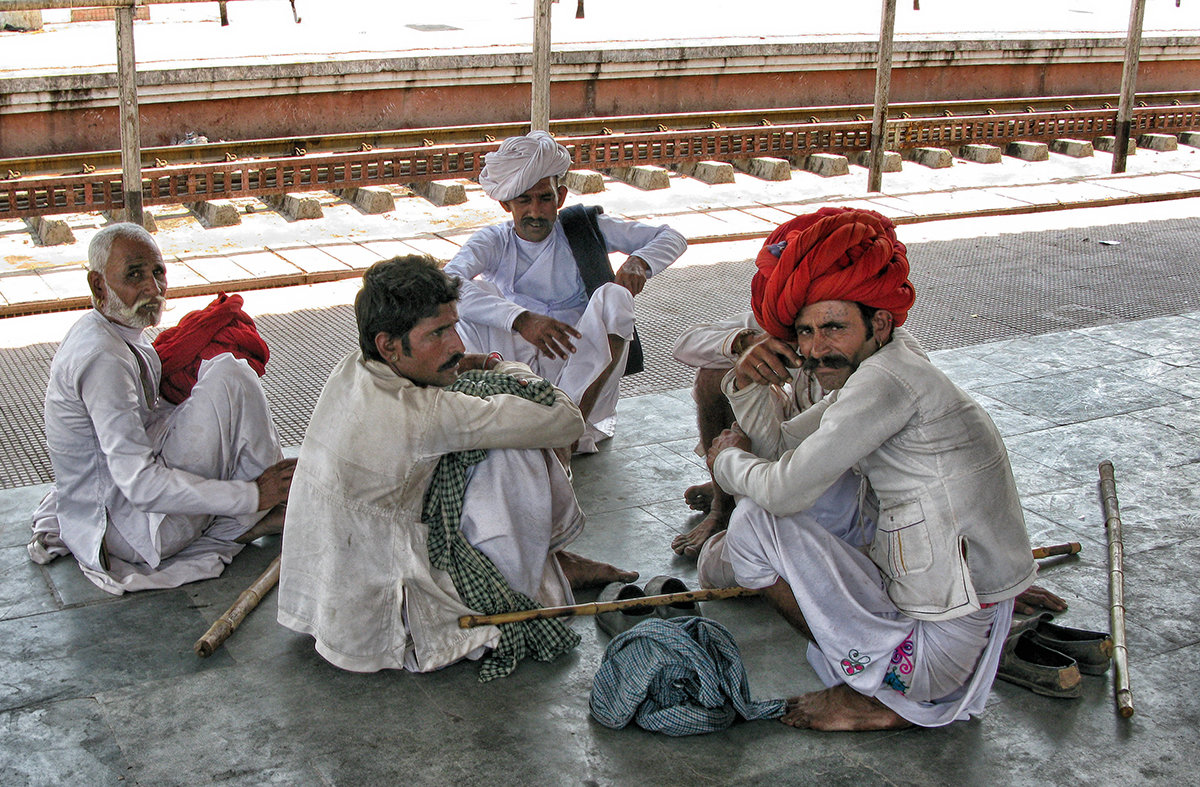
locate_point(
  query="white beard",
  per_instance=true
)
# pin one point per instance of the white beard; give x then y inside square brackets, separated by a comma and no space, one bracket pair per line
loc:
[131,316]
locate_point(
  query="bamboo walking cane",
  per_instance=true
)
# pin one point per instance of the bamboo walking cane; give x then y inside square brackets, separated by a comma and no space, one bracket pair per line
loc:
[246,602]
[1069,548]
[1116,588]
[596,607]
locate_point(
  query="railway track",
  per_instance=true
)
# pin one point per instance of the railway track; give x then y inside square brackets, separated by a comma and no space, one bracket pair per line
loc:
[185,174]
[213,152]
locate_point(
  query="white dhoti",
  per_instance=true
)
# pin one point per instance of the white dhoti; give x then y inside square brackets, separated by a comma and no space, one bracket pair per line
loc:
[609,312]
[223,430]
[929,672]
[836,511]
[519,509]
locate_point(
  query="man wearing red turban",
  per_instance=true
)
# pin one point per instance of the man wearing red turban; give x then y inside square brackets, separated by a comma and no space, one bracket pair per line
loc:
[911,629]
[835,254]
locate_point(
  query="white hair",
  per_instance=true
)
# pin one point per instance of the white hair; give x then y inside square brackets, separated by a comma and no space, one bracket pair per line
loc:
[101,245]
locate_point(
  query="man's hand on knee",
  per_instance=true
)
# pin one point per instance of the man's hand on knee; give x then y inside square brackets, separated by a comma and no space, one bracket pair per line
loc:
[550,336]
[275,483]
[733,437]
[632,275]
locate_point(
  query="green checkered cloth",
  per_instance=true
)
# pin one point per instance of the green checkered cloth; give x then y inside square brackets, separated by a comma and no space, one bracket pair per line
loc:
[477,580]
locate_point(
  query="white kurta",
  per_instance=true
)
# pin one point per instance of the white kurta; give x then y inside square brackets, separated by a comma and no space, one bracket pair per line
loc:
[504,276]
[355,572]
[163,490]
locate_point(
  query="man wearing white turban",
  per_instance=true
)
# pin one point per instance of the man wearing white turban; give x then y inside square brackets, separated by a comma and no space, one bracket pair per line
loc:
[532,291]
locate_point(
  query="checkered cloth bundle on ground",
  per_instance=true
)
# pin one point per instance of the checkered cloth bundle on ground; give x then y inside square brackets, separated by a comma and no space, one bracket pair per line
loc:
[477,580]
[681,676]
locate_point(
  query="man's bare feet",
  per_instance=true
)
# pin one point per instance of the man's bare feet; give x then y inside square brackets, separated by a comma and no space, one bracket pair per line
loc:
[269,525]
[583,573]
[691,542]
[700,496]
[841,709]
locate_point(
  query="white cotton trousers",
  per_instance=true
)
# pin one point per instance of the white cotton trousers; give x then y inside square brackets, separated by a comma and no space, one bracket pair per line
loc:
[609,312]
[223,430]
[929,672]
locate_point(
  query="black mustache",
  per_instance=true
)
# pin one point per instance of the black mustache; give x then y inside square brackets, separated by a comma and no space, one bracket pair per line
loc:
[834,361]
[450,364]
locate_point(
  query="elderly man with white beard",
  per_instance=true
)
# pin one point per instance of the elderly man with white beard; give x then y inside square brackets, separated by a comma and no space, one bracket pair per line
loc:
[149,494]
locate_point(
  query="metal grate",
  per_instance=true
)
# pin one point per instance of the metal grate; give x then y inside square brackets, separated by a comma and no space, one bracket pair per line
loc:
[968,292]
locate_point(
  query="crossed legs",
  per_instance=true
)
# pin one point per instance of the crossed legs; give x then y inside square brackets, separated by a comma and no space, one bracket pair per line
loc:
[835,709]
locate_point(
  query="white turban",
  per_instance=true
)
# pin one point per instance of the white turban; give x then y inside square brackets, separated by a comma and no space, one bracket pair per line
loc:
[520,163]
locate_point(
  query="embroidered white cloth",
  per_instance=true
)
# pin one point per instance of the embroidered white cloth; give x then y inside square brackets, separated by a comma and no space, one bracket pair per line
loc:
[930,672]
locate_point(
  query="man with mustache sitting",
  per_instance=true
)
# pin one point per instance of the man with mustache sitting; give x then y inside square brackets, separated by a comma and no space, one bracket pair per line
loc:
[147,494]
[713,349]
[426,490]
[540,289]
[910,629]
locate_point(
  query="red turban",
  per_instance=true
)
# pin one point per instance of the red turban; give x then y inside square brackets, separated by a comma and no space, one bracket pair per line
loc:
[835,254]
[220,327]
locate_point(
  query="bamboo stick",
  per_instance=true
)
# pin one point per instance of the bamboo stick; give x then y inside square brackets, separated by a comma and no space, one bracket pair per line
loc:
[1069,548]
[1116,588]
[246,602]
[596,607]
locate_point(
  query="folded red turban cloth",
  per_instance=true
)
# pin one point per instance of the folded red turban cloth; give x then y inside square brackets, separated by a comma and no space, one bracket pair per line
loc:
[220,327]
[835,254]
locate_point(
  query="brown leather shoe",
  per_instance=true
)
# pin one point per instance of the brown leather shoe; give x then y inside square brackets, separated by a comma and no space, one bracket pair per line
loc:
[1092,650]
[1042,670]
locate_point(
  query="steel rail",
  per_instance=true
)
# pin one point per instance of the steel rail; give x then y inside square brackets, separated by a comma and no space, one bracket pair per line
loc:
[216,152]
[185,184]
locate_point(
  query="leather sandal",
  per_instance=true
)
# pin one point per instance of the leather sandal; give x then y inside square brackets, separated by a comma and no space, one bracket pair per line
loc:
[1042,670]
[664,584]
[618,621]
[1092,650]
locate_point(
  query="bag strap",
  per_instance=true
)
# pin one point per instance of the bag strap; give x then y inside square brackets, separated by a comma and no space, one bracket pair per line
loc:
[582,229]
[590,251]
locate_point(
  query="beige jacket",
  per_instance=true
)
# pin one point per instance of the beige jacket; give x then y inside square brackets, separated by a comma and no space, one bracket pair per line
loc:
[951,534]
[355,572]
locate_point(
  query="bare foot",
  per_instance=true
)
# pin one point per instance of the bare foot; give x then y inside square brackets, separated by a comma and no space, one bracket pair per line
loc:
[269,525]
[584,573]
[690,543]
[700,496]
[841,709]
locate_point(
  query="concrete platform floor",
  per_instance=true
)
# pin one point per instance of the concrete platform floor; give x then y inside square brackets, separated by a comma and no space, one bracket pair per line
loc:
[101,690]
